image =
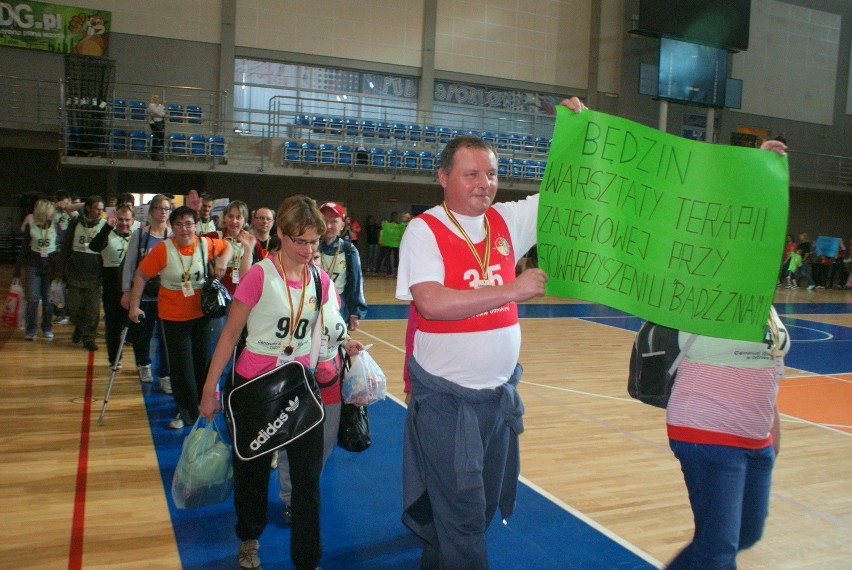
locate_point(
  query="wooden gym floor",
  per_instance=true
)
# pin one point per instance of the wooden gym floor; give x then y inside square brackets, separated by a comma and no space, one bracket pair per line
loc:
[79,495]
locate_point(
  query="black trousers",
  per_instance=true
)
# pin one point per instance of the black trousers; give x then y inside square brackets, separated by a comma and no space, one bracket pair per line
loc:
[188,347]
[251,490]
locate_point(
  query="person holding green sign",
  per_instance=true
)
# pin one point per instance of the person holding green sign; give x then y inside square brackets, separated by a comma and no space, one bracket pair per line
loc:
[457,264]
[723,427]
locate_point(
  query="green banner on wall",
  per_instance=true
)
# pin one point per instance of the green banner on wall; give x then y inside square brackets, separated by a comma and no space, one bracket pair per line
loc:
[54,28]
[683,233]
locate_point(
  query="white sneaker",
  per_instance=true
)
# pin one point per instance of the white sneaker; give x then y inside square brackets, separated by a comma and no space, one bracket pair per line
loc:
[176,423]
[166,385]
[810,287]
[145,374]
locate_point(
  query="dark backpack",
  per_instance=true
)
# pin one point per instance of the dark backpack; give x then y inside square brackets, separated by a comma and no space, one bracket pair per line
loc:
[653,363]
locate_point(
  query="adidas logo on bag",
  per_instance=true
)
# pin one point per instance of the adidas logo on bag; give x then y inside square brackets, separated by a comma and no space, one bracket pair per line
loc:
[273,427]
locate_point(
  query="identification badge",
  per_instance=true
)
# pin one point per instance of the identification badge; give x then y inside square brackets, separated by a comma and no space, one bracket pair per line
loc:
[43,251]
[187,289]
[235,276]
[323,344]
[779,368]
[285,356]
[480,283]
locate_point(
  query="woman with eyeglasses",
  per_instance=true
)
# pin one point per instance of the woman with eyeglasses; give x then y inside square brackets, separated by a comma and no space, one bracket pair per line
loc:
[179,263]
[142,241]
[276,301]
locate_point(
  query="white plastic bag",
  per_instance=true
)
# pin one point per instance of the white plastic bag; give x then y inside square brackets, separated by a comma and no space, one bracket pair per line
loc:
[57,293]
[364,383]
[204,474]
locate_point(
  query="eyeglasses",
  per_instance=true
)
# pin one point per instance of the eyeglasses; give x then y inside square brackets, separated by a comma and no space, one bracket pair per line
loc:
[304,242]
[162,208]
[185,225]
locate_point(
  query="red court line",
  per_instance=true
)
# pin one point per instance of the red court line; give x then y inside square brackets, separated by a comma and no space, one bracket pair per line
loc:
[75,554]
[823,400]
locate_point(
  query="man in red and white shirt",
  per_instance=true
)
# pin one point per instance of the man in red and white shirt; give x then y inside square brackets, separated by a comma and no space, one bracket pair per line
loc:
[457,263]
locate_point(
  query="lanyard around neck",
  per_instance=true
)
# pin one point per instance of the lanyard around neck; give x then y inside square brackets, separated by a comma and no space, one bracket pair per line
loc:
[482,261]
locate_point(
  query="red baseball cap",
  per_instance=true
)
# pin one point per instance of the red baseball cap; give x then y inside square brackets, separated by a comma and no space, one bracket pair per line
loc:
[335,207]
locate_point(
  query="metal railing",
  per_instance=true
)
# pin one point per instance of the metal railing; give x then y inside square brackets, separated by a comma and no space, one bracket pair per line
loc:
[197,134]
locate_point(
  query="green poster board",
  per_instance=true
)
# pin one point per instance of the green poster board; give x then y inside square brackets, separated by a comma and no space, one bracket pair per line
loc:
[55,28]
[683,233]
[391,234]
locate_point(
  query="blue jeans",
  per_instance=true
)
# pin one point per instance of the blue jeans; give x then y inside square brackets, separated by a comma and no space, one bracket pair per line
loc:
[729,494]
[38,289]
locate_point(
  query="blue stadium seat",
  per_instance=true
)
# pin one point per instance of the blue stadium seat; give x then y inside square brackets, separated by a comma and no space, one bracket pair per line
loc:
[502,140]
[516,168]
[430,134]
[368,129]
[444,135]
[326,153]
[394,158]
[216,146]
[541,164]
[398,131]
[377,157]
[383,130]
[489,137]
[414,132]
[542,145]
[138,110]
[175,113]
[502,166]
[138,141]
[529,168]
[319,123]
[292,151]
[515,142]
[197,145]
[119,109]
[352,127]
[177,143]
[411,159]
[527,143]
[427,161]
[309,152]
[344,155]
[193,114]
[335,126]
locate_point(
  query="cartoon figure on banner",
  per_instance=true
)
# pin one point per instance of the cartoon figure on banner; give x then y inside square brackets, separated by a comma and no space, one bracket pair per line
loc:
[95,40]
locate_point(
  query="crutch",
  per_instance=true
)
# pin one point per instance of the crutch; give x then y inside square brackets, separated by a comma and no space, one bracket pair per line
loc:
[114,369]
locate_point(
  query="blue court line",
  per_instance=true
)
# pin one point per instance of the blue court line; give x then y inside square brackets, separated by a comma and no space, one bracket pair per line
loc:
[361,509]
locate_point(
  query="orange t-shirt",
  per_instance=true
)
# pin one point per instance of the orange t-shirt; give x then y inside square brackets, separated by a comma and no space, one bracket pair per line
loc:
[172,305]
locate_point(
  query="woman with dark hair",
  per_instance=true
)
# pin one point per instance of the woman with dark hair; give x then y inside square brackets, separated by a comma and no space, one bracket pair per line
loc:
[180,263]
[276,303]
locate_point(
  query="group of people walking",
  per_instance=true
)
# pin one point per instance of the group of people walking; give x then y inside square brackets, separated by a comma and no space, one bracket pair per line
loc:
[457,269]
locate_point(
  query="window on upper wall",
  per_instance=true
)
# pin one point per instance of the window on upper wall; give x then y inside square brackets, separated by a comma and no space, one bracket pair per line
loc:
[271,96]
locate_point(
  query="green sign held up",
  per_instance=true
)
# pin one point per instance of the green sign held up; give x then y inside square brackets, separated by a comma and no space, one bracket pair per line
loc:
[683,233]
[391,234]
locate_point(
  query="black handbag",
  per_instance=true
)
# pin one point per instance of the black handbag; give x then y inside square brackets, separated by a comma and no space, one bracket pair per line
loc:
[269,411]
[215,298]
[354,431]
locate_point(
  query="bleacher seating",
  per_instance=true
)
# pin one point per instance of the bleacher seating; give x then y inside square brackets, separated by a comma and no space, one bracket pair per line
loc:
[177,144]
[194,114]
[119,109]
[138,110]
[139,141]
[175,113]
[118,140]
[197,145]
[216,146]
